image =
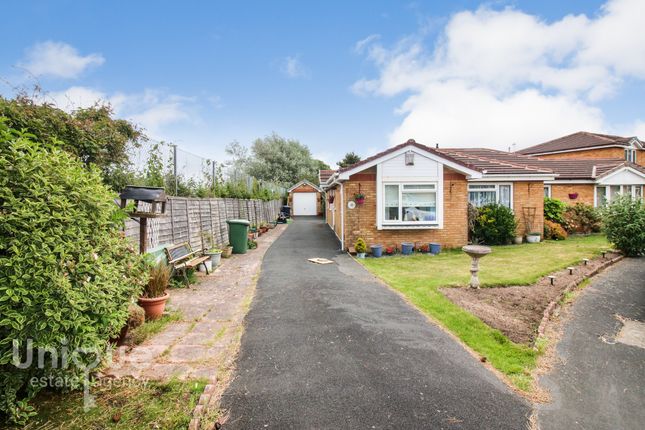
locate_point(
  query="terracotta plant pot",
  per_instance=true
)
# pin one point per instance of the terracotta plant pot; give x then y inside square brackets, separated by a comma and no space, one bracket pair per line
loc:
[227,252]
[154,307]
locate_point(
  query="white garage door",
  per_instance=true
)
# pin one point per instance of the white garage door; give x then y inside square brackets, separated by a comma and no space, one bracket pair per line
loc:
[305,204]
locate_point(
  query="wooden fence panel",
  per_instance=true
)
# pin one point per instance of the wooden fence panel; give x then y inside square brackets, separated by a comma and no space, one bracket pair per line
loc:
[190,220]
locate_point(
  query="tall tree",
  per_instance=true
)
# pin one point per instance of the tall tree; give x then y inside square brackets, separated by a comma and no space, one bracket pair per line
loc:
[349,159]
[239,159]
[280,160]
[91,133]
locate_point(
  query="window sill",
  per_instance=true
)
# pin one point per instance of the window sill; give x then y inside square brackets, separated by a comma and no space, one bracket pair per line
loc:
[410,226]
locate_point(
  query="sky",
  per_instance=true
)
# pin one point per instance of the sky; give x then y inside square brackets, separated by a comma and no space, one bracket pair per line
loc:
[338,76]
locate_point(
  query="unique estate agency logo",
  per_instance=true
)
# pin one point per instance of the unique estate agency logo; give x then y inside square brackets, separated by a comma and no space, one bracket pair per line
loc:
[70,367]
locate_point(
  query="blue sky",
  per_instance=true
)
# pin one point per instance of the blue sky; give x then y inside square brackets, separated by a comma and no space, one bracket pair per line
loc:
[339,76]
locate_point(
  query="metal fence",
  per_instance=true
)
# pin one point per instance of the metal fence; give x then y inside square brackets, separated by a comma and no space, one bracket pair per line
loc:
[196,220]
[188,167]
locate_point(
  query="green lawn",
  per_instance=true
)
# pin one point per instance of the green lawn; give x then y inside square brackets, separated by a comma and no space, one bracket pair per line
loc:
[418,277]
[155,405]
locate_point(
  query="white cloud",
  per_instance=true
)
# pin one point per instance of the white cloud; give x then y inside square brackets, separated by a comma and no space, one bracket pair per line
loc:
[363,43]
[293,68]
[638,130]
[57,59]
[495,77]
[151,109]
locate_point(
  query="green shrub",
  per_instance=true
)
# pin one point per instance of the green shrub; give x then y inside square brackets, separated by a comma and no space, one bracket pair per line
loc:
[554,231]
[67,272]
[494,225]
[624,222]
[360,246]
[554,210]
[582,218]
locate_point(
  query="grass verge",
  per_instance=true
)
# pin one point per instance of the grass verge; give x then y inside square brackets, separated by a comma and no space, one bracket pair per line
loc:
[153,405]
[150,328]
[419,277]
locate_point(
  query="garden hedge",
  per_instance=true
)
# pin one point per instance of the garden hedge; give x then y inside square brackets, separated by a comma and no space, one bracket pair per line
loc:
[67,274]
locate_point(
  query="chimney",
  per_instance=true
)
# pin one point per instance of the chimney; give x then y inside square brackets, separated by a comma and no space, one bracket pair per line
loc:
[436,145]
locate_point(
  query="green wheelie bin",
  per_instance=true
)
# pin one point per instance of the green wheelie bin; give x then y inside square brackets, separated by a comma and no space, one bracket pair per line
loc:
[238,232]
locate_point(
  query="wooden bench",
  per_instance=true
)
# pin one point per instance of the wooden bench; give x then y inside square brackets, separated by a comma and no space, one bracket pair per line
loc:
[182,257]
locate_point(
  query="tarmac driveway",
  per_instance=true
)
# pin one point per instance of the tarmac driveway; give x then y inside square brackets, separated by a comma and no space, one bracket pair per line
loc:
[600,383]
[329,347]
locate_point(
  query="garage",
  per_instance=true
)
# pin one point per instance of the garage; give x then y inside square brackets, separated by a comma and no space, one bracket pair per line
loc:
[304,199]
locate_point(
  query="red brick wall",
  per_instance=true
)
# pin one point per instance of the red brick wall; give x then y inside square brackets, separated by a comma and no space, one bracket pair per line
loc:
[585,193]
[528,195]
[596,153]
[361,221]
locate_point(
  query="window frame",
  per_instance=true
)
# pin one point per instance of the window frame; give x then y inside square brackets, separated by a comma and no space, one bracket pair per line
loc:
[630,155]
[496,190]
[623,187]
[433,187]
[548,189]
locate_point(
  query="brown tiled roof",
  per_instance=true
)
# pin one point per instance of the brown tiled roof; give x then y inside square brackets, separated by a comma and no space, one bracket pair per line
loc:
[605,169]
[495,162]
[410,142]
[323,175]
[579,140]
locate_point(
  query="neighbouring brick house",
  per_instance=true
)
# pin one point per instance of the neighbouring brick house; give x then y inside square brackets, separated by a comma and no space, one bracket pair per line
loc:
[414,193]
[591,168]
[305,198]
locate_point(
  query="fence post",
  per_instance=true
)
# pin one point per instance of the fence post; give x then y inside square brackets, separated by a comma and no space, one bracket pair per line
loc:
[174,167]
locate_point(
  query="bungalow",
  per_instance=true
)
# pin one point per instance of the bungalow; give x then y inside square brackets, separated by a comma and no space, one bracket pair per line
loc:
[414,193]
[591,168]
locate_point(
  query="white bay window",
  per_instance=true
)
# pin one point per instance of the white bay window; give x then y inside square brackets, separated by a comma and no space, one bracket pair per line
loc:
[607,193]
[410,204]
[484,194]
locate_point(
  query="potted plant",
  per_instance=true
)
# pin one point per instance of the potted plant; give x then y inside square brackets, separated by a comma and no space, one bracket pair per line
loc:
[533,237]
[216,256]
[359,198]
[360,247]
[377,250]
[518,239]
[330,199]
[154,298]
[227,251]
[390,250]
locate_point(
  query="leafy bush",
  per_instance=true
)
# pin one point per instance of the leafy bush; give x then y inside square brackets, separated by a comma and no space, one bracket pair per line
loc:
[554,210]
[554,231]
[624,222]
[494,225]
[68,274]
[360,246]
[582,218]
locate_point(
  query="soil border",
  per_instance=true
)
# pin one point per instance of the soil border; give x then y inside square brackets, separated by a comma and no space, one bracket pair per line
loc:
[555,304]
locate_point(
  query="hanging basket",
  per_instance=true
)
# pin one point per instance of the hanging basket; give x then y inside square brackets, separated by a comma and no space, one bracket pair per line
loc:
[573,196]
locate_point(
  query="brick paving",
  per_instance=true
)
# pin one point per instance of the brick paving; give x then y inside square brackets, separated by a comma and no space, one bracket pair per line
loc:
[204,342]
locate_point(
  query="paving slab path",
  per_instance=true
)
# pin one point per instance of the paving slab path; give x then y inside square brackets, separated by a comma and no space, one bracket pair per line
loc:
[205,340]
[329,346]
[600,381]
